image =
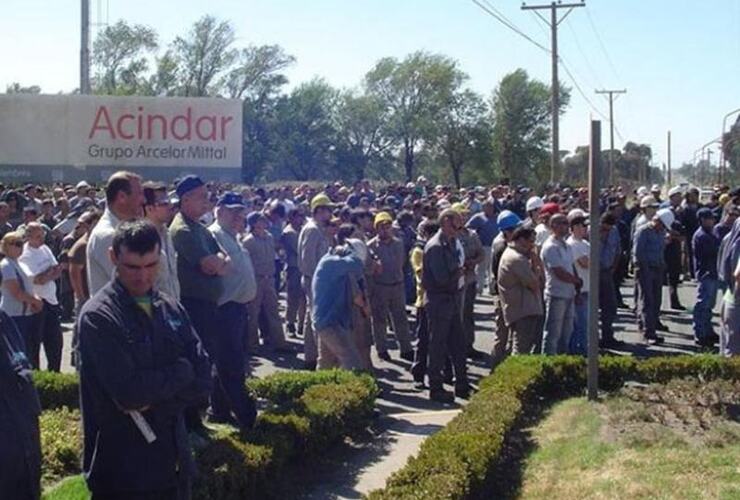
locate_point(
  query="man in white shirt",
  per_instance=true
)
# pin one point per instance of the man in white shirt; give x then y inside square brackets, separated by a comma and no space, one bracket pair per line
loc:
[158,209]
[124,198]
[39,263]
[561,284]
[581,249]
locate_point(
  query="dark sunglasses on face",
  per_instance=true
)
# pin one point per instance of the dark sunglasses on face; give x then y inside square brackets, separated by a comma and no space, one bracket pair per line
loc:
[18,244]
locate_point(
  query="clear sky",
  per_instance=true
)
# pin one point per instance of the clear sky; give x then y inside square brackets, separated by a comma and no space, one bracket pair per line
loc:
[679,60]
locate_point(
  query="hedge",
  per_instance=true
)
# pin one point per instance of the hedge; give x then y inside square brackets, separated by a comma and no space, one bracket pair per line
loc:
[307,411]
[459,461]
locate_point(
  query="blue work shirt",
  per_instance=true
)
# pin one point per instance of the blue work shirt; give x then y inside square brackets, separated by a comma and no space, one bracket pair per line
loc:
[649,247]
[332,286]
[706,250]
[610,249]
[486,228]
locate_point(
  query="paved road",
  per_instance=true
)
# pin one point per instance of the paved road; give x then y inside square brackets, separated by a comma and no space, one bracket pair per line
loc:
[407,416]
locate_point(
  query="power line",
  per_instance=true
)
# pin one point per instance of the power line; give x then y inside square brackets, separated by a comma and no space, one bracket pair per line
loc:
[602,45]
[591,69]
[493,12]
[580,90]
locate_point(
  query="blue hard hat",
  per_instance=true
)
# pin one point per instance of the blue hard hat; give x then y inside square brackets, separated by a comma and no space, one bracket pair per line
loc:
[508,220]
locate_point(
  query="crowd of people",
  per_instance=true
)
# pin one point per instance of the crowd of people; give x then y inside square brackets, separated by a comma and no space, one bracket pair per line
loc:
[172,288]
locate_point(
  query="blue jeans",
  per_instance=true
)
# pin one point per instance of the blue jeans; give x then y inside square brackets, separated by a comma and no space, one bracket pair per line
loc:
[706,298]
[579,338]
[559,315]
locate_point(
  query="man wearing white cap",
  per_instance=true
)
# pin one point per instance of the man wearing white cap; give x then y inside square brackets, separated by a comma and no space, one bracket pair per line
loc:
[649,262]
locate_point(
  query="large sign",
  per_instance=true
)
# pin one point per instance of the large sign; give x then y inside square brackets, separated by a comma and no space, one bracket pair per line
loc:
[82,131]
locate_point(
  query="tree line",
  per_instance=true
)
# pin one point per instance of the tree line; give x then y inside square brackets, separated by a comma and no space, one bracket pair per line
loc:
[407,117]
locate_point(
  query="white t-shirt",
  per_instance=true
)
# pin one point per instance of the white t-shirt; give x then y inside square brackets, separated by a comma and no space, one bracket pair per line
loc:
[541,234]
[580,248]
[35,261]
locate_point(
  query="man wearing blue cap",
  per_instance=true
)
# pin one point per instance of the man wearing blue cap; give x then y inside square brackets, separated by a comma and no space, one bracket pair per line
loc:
[705,245]
[201,266]
[239,288]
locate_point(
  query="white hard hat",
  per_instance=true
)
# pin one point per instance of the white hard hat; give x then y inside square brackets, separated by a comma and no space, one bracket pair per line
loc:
[443,204]
[655,189]
[358,247]
[534,203]
[575,213]
[666,217]
[82,184]
[642,191]
[674,191]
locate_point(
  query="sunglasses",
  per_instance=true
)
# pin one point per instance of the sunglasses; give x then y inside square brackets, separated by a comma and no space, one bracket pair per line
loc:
[18,244]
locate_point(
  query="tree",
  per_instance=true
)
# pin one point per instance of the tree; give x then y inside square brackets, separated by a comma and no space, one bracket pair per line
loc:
[359,121]
[120,57]
[413,91]
[522,125]
[731,151]
[257,72]
[465,131]
[17,88]
[305,132]
[164,82]
[204,55]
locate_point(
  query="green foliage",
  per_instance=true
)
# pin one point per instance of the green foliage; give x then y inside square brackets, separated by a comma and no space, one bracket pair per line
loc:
[415,92]
[57,389]
[522,126]
[71,488]
[458,461]
[286,387]
[120,56]
[308,411]
[61,443]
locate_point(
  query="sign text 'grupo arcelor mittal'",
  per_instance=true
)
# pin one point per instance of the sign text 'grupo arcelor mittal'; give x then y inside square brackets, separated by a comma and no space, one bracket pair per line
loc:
[120,131]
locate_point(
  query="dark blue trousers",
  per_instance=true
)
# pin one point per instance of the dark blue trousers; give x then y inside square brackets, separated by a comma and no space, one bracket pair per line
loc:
[229,392]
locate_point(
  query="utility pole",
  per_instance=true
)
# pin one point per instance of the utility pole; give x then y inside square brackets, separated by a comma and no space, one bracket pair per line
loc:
[669,158]
[594,189]
[611,94]
[553,23]
[85,47]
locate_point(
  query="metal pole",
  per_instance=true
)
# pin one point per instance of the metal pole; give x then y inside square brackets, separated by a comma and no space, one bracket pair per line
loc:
[555,93]
[85,47]
[669,157]
[594,188]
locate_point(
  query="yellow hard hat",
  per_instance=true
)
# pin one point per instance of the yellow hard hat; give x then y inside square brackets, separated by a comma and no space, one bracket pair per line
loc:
[320,200]
[724,198]
[382,217]
[459,208]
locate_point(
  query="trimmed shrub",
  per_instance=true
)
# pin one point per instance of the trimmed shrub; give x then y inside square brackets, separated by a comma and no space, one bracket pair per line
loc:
[57,389]
[456,462]
[61,443]
[285,388]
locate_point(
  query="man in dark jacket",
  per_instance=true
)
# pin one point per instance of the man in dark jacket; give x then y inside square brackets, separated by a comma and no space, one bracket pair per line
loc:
[20,451]
[141,365]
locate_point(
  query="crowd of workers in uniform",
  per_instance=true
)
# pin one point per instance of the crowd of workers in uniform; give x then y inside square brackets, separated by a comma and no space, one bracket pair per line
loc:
[173,287]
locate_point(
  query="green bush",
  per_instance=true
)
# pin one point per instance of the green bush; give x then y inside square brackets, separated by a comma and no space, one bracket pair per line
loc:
[457,461]
[285,388]
[57,389]
[61,443]
[308,411]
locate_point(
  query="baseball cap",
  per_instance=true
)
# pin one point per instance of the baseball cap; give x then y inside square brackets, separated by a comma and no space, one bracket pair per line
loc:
[648,201]
[705,213]
[231,200]
[187,184]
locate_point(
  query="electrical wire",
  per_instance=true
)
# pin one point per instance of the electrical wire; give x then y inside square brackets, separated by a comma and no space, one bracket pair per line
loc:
[590,67]
[602,45]
[493,12]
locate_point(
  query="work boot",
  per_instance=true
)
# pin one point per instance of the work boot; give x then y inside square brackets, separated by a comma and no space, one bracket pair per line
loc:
[385,356]
[408,356]
[475,354]
[464,391]
[441,396]
[675,303]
